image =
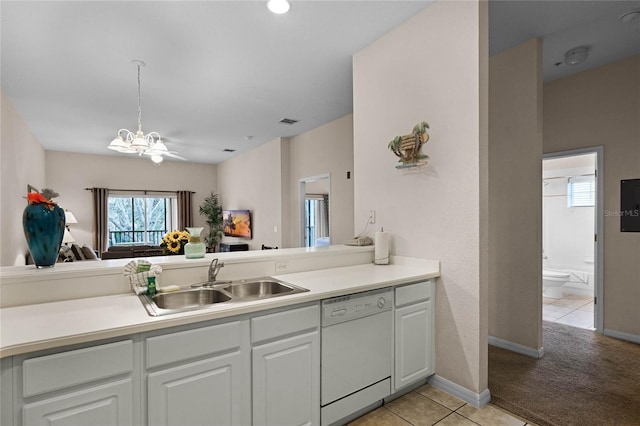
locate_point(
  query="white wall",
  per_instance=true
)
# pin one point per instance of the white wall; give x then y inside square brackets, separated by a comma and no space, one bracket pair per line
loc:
[253,181]
[327,149]
[567,232]
[266,181]
[515,195]
[70,173]
[23,163]
[601,107]
[433,67]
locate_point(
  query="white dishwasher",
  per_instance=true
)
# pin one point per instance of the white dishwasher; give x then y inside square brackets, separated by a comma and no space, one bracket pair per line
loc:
[357,350]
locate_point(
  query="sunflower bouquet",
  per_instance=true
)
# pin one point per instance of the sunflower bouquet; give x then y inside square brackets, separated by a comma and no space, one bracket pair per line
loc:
[173,242]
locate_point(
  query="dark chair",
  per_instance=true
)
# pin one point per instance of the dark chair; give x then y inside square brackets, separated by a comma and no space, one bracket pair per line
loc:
[268,248]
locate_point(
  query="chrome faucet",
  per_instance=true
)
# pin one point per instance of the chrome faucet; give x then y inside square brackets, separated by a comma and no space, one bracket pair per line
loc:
[214,268]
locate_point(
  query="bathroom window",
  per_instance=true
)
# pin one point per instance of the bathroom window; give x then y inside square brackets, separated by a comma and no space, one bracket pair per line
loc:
[581,191]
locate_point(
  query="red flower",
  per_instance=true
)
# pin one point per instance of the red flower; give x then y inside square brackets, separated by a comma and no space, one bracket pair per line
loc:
[37,198]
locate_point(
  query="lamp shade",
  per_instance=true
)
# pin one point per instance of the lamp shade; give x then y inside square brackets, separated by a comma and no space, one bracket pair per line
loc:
[69,217]
[67,237]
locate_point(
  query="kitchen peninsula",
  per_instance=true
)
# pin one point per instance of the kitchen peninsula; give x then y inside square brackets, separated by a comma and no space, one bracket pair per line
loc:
[91,318]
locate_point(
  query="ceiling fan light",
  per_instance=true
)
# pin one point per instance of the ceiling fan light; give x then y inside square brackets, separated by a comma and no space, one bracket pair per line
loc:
[140,143]
[119,145]
[159,147]
[150,144]
[278,6]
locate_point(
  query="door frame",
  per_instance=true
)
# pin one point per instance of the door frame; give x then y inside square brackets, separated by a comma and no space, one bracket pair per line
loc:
[598,254]
[301,197]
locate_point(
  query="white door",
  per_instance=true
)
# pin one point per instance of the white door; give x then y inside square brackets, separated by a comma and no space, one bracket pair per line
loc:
[206,392]
[286,382]
[413,352]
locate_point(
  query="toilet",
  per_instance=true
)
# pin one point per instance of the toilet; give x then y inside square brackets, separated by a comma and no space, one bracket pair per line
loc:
[552,282]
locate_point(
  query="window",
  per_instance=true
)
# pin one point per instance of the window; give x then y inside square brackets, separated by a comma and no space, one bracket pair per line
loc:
[140,219]
[581,191]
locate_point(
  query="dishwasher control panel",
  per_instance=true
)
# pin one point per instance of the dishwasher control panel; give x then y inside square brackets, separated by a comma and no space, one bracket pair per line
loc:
[346,308]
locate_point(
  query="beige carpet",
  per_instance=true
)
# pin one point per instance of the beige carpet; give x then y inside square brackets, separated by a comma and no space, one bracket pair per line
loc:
[584,378]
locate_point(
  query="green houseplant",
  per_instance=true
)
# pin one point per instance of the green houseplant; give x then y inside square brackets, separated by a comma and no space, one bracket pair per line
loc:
[212,210]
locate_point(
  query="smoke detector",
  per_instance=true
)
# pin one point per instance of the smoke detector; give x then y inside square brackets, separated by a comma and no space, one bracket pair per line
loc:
[631,16]
[576,56]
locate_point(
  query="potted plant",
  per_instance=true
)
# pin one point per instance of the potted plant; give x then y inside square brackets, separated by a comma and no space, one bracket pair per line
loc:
[212,210]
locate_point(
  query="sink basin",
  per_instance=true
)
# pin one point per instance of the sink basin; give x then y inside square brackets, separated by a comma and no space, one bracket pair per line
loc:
[188,298]
[259,289]
[211,293]
[182,301]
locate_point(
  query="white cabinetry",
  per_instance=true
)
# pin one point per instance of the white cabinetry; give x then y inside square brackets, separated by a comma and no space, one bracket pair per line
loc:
[286,367]
[414,333]
[199,376]
[89,386]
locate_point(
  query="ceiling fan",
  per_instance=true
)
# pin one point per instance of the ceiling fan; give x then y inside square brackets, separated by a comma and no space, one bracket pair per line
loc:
[138,143]
[159,150]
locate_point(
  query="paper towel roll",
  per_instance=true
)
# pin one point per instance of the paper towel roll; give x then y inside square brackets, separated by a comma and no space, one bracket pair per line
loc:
[381,248]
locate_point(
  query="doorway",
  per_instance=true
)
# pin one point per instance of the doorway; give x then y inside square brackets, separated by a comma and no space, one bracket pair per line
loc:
[315,206]
[572,235]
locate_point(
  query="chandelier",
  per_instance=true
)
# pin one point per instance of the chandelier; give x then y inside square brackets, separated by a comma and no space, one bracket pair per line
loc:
[138,143]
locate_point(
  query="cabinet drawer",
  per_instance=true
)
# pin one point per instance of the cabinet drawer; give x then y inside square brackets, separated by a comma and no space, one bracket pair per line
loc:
[66,369]
[283,323]
[109,404]
[183,345]
[413,293]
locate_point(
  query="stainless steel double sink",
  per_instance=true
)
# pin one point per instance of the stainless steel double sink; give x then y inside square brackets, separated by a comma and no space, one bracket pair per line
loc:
[211,293]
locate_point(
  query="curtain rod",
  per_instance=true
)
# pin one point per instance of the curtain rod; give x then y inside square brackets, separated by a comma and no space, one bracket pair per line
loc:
[138,190]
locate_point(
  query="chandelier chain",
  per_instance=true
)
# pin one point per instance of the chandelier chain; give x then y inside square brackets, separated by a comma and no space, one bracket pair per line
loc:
[139,103]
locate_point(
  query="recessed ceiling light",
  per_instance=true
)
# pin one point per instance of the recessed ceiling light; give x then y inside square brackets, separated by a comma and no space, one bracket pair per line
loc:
[278,6]
[630,16]
[576,56]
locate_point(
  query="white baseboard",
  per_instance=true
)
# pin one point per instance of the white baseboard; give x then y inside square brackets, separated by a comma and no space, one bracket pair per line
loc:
[622,335]
[478,400]
[516,347]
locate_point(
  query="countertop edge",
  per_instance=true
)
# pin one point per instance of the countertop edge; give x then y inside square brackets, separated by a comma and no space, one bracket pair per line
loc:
[431,270]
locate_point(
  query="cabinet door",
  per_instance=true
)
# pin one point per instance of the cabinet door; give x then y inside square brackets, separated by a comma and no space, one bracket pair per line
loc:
[207,392]
[413,343]
[286,382]
[109,404]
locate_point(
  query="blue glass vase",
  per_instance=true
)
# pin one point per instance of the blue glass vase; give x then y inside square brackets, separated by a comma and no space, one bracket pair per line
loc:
[43,226]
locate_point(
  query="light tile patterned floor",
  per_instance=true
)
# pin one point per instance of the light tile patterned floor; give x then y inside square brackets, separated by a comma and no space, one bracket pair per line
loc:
[573,309]
[428,406]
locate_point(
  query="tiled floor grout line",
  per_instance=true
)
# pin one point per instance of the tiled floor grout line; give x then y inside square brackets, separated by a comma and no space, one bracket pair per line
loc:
[568,321]
[399,416]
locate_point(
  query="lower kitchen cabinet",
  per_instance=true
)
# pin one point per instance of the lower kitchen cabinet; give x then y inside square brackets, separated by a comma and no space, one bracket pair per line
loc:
[91,385]
[414,338]
[110,404]
[286,381]
[207,392]
[286,367]
[199,375]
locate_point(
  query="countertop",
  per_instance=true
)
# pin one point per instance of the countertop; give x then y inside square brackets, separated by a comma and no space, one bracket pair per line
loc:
[30,328]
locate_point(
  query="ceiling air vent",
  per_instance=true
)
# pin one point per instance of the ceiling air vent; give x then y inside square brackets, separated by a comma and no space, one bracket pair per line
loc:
[288,121]
[228,150]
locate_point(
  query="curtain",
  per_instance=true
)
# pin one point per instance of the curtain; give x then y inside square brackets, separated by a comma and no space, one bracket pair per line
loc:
[322,216]
[185,212]
[100,218]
